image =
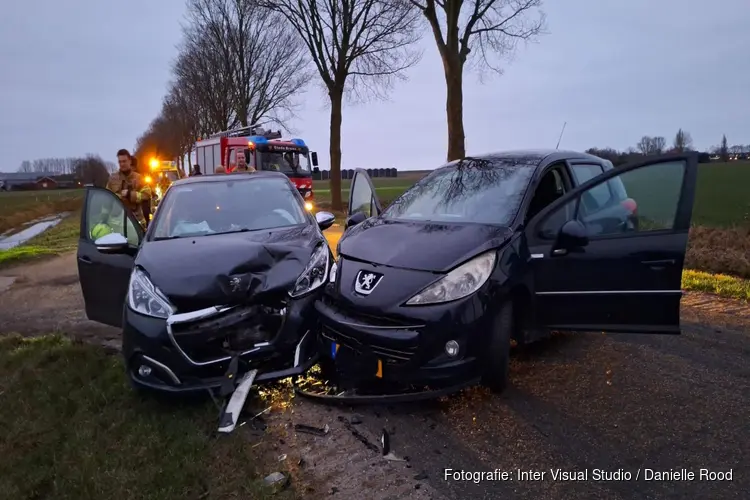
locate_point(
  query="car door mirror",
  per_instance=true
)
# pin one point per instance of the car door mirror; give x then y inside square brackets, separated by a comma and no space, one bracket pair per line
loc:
[325,220]
[572,235]
[112,243]
[356,218]
[314,157]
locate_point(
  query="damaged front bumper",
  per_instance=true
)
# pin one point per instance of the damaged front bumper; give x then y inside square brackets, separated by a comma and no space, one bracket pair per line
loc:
[191,352]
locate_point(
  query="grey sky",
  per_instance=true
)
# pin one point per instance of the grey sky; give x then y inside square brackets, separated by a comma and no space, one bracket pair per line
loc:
[88,76]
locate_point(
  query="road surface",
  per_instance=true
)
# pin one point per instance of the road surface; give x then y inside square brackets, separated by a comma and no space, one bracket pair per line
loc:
[617,403]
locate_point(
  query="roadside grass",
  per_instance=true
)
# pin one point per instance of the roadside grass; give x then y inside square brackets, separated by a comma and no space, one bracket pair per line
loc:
[71,428]
[717,284]
[19,207]
[58,240]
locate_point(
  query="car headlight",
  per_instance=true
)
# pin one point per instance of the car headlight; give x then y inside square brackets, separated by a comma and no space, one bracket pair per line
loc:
[145,298]
[315,273]
[457,284]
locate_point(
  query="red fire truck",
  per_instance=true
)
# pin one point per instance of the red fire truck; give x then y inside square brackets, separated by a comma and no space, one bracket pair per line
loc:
[263,150]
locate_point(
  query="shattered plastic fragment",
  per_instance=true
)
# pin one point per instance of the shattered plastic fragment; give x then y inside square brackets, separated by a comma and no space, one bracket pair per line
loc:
[231,413]
[309,429]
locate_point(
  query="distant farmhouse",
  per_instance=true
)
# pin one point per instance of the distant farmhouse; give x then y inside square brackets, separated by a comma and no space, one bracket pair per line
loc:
[23,181]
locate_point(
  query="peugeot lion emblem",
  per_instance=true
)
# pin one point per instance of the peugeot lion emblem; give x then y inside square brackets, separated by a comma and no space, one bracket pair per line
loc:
[235,283]
[366,282]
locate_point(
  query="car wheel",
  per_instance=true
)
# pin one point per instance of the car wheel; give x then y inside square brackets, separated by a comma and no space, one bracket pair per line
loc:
[497,355]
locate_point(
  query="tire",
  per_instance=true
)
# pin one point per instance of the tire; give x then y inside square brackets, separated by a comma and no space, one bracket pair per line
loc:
[495,365]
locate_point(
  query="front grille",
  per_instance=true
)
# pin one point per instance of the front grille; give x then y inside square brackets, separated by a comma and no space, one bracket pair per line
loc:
[390,355]
[228,333]
[354,316]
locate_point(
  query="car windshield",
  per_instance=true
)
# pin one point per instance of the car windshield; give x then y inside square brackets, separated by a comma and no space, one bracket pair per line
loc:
[286,162]
[234,205]
[480,190]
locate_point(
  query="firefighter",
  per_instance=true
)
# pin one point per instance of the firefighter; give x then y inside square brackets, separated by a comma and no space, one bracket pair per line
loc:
[130,187]
[242,165]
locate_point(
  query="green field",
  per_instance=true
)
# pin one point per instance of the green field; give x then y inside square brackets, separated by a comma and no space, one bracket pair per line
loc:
[18,207]
[722,196]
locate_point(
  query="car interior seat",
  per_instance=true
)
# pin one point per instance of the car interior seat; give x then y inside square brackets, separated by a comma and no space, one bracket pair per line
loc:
[546,192]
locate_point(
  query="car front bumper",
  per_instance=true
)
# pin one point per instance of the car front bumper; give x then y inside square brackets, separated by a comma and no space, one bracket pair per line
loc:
[147,342]
[405,351]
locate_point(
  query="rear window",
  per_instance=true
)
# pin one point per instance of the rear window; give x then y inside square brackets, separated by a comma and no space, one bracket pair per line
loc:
[479,190]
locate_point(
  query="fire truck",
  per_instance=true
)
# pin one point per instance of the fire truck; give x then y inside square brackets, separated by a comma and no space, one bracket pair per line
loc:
[263,150]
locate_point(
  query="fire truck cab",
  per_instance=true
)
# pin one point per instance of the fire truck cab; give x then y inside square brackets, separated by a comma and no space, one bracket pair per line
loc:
[263,150]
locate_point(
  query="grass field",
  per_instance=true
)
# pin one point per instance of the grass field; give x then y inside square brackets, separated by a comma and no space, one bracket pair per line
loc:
[55,241]
[73,429]
[18,207]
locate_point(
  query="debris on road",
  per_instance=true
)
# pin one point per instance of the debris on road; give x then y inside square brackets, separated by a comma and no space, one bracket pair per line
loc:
[309,429]
[358,435]
[355,419]
[385,441]
[277,480]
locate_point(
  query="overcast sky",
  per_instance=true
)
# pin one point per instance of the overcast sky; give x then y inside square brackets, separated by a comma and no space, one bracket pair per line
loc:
[88,75]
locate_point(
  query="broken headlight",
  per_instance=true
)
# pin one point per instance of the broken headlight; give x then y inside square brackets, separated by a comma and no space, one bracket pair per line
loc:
[457,284]
[145,298]
[315,273]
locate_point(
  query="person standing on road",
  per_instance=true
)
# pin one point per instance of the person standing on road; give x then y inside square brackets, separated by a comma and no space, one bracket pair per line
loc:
[129,186]
[196,170]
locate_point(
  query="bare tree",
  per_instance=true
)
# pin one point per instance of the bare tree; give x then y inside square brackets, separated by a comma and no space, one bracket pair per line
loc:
[261,63]
[25,167]
[651,145]
[205,80]
[724,149]
[683,141]
[359,47]
[490,28]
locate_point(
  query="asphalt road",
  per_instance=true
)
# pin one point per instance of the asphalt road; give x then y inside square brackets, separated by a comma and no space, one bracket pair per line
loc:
[636,405]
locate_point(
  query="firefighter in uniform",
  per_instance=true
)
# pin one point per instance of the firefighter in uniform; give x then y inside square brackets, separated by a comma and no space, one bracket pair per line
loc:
[130,187]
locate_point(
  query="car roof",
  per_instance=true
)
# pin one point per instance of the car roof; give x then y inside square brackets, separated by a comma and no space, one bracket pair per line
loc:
[537,157]
[234,176]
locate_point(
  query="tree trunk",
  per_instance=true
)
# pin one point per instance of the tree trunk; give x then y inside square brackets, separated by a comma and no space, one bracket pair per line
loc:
[454,108]
[336,96]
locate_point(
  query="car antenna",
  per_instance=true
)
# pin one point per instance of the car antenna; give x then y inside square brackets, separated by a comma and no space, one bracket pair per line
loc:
[561,134]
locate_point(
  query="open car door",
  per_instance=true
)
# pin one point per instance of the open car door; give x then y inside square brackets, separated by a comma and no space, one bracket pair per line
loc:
[107,246]
[363,200]
[608,256]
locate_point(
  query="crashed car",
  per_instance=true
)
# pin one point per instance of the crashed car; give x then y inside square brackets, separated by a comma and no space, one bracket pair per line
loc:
[225,276]
[498,248]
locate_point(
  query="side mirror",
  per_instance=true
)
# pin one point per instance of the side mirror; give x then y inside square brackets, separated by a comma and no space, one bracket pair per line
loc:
[355,218]
[325,220]
[572,236]
[112,243]
[314,157]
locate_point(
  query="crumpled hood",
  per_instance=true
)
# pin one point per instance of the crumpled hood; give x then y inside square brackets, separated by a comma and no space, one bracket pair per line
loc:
[227,269]
[422,246]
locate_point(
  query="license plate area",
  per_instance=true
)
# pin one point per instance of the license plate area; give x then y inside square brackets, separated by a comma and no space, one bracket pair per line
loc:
[356,364]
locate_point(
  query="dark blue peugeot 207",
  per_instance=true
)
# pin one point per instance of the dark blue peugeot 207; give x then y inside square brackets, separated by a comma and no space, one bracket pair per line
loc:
[222,283]
[510,246]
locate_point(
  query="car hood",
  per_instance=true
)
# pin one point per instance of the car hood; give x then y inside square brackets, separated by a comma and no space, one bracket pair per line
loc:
[423,246]
[228,269]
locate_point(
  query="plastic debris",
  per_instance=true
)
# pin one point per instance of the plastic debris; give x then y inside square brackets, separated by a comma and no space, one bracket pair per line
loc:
[309,429]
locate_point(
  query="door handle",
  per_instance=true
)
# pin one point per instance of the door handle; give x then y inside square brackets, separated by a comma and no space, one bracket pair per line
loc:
[559,251]
[85,260]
